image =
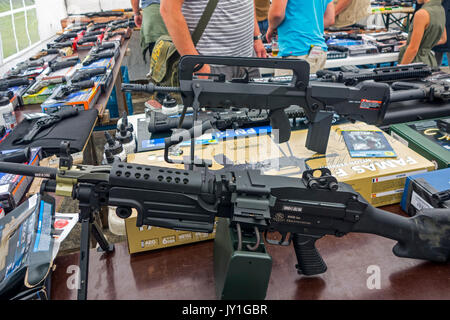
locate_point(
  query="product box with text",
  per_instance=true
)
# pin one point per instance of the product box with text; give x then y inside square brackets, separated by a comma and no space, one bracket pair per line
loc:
[379,180]
[147,238]
[426,138]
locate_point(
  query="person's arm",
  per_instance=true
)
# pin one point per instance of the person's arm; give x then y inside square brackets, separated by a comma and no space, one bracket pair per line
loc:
[328,17]
[443,39]
[258,45]
[421,21]
[137,13]
[177,26]
[276,16]
[178,29]
[341,5]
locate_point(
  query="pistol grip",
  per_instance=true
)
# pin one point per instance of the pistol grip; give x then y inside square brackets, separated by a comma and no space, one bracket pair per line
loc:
[280,122]
[309,260]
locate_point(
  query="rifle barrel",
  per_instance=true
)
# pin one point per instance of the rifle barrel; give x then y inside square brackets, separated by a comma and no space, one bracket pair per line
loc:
[26,170]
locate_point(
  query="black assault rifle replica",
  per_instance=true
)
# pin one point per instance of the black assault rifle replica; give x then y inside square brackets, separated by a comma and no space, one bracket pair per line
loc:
[301,210]
[365,102]
[412,71]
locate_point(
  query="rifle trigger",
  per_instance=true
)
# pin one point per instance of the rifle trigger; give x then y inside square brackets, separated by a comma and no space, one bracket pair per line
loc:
[284,236]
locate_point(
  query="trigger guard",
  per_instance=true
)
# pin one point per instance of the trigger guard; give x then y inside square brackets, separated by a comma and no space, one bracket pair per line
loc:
[281,242]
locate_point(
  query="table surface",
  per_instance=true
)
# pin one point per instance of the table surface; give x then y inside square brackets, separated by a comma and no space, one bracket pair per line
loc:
[186,272]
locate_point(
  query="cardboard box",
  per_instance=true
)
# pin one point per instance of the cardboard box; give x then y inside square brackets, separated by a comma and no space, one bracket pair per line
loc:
[41,96]
[19,92]
[379,180]
[420,188]
[35,187]
[13,186]
[82,100]
[148,238]
[425,138]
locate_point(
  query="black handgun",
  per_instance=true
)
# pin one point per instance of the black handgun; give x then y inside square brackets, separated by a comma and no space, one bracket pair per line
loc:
[92,57]
[58,65]
[66,36]
[84,40]
[86,74]
[5,84]
[66,90]
[102,47]
[60,45]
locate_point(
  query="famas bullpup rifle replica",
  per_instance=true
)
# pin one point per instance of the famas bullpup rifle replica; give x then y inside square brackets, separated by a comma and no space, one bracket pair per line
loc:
[364,102]
[302,210]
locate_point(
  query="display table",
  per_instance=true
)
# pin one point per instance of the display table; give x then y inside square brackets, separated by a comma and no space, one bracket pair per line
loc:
[388,18]
[186,272]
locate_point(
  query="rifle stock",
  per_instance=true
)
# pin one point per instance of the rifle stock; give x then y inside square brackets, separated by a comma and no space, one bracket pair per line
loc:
[424,236]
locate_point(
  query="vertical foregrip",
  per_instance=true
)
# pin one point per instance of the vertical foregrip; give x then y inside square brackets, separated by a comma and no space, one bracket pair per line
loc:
[280,121]
[309,260]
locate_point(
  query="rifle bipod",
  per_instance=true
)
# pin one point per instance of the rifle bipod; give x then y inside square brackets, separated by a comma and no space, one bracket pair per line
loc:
[91,197]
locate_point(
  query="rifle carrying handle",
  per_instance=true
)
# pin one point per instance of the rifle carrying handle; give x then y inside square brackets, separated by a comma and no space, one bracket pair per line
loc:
[309,259]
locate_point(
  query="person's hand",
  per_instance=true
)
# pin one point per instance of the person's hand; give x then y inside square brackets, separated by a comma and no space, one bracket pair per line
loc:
[402,43]
[205,69]
[270,34]
[138,20]
[260,50]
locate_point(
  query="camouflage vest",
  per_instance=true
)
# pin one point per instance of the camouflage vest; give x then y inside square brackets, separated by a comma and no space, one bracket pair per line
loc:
[164,62]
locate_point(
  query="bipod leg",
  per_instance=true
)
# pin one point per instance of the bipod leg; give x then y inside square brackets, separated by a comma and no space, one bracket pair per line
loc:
[84,251]
[104,245]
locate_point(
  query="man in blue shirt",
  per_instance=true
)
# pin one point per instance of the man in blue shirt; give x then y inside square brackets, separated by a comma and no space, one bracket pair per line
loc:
[300,26]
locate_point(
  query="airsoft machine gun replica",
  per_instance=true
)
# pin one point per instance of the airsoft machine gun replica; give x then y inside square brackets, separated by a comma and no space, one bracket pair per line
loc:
[365,102]
[302,210]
